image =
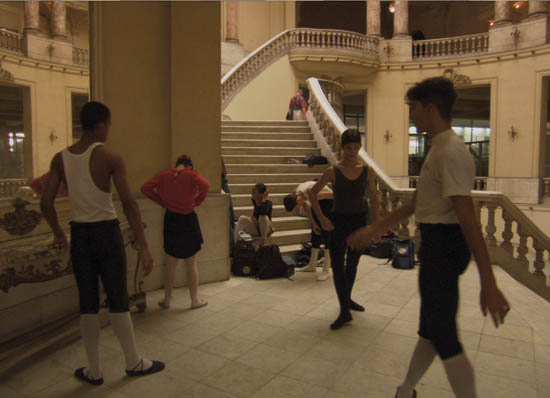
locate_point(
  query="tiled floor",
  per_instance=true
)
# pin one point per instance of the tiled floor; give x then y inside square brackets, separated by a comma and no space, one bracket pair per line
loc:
[265,339]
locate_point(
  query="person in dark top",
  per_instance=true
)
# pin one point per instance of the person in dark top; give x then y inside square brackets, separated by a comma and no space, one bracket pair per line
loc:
[351,181]
[259,225]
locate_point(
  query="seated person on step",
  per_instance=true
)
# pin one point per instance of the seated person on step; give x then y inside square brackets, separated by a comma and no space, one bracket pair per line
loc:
[259,224]
[298,204]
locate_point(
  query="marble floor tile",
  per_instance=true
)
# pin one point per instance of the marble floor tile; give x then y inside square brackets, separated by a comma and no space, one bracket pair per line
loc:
[315,371]
[238,379]
[32,376]
[196,365]
[227,346]
[72,387]
[285,387]
[504,366]
[511,348]
[289,340]
[268,358]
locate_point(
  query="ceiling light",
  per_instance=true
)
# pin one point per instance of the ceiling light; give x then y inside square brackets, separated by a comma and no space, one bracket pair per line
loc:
[392,7]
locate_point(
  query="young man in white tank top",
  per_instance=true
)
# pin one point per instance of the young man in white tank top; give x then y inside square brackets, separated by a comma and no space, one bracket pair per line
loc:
[97,249]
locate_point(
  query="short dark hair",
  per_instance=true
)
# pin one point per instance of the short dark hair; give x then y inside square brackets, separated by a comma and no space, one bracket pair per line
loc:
[185,160]
[290,201]
[351,136]
[94,113]
[260,187]
[439,91]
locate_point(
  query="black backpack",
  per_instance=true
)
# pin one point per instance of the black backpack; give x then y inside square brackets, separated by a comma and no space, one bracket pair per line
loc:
[382,249]
[403,254]
[244,259]
[312,160]
[270,263]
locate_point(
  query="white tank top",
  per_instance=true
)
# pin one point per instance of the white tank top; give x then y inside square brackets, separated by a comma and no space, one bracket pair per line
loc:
[88,202]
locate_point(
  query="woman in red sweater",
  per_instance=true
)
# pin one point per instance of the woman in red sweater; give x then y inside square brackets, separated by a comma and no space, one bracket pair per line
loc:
[180,190]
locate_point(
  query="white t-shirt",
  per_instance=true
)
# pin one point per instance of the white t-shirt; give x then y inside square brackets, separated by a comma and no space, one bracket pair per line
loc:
[303,187]
[448,170]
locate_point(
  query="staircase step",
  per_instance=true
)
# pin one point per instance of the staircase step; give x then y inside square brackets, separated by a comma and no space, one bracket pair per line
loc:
[269,143]
[271,178]
[266,129]
[290,223]
[273,188]
[290,250]
[278,211]
[267,136]
[228,149]
[301,123]
[273,168]
[245,198]
[295,236]
[260,159]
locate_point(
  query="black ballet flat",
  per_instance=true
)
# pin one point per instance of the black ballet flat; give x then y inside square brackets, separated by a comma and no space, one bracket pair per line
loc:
[79,373]
[157,366]
[397,393]
[341,321]
[356,307]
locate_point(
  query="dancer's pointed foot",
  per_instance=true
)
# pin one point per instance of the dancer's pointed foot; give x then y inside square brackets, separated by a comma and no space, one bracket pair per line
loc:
[82,374]
[323,276]
[342,319]
[145,367]
[397,393]
[198,303]
[308,268]
[356,307]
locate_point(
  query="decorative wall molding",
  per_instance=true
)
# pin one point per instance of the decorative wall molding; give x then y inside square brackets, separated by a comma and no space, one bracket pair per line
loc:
[5,75]
[457,79]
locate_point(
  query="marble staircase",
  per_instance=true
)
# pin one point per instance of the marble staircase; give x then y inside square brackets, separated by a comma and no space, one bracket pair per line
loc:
[270,152]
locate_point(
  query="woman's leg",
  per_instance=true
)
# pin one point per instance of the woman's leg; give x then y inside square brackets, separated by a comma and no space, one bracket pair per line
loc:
[193,281]
[352,260]
[169,278]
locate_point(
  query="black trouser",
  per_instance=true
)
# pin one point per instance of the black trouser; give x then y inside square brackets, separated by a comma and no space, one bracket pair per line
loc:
[444,255]
[324,237]
[97,251]
[344,277]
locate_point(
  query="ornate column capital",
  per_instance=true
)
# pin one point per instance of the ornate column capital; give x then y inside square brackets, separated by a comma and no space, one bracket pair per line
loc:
[373,18]
[401,19]
[59,20]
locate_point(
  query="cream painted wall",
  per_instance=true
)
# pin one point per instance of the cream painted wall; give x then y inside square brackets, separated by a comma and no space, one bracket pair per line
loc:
[260,21]
[514,84]
[50,106]
[11,15]
[267,96]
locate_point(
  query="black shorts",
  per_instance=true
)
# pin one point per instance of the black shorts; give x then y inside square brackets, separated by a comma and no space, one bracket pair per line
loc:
[182,234]
[97,251]
[324,237]
[444,255]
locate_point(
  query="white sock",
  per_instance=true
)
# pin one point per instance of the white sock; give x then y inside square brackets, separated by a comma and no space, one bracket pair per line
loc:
[422,357]
[89,330]
[461,375]
[124,330]
[325,273]
[312,266]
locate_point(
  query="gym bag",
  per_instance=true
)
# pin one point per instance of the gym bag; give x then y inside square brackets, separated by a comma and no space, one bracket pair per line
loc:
[270,263]
[403,254]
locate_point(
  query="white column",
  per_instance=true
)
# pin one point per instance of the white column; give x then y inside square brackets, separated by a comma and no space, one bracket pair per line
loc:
[232,21]
[59,20]
[401,19]
[503,13]
[31,16]
[373,18]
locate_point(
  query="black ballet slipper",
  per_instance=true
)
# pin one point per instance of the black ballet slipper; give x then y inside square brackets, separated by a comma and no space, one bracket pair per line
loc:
[157,366]
[397,393]
[341,321]
[79,373]
[356,307]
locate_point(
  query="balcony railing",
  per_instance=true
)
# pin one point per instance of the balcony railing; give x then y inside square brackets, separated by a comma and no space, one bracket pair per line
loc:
[514,241]
[80,56]
[451,46]
[10,41]
[9,187]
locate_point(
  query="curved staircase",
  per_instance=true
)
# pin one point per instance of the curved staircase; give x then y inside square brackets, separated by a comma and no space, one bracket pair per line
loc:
[270,152]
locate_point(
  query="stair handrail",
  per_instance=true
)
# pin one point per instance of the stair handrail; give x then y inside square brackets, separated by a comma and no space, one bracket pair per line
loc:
[250,66]
[514,257]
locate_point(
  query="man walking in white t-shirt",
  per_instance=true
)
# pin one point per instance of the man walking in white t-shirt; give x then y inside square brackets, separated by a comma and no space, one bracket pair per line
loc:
[443,207]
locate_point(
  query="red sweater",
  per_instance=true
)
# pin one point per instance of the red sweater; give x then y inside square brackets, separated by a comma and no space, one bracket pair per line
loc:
[179,192]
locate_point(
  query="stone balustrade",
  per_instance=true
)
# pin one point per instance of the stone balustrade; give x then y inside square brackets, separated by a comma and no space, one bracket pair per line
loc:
[80,56]
[480,183]
[11,41]
[334,93]
[451,46]
[321,39]
[508,231]
[9,187]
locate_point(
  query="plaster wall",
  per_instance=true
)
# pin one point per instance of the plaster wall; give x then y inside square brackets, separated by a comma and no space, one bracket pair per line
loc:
[267,96]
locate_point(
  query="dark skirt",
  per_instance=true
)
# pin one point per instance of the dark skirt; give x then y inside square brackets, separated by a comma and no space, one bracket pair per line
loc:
[182,234]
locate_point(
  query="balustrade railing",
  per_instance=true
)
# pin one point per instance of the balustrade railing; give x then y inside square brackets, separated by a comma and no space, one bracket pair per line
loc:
[9,187]
[480,183]
[80,56]
[451,46]
[334,93]
[10,41]
[238,76]
[508,231]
